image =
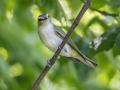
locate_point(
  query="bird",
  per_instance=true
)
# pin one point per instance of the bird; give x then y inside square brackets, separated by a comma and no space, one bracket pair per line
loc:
[52,36]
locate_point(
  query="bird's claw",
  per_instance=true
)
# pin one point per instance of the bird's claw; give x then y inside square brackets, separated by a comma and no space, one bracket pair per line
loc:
[48,63]
[59,47]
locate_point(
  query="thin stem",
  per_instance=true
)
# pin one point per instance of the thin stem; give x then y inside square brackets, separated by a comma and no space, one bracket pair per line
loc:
[103,12]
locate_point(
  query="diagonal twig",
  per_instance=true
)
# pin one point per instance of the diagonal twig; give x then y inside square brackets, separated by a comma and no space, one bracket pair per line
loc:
[53,59]
[103,12]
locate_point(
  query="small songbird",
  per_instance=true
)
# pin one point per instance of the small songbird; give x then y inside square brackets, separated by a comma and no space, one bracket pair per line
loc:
[52,36]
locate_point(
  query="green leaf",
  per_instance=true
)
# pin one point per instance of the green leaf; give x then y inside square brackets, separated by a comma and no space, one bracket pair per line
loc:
[105,41]
[114,3]
[97,4]
[117,42]
[115,51]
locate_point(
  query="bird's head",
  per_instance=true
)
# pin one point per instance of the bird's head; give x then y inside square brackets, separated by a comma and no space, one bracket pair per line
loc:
[43,19]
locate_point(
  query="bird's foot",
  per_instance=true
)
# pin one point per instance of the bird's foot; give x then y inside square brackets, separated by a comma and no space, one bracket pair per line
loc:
[48,63]
[59,47]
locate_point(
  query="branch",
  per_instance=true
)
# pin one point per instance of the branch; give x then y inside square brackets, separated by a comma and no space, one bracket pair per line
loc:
[53,59]
[103,12]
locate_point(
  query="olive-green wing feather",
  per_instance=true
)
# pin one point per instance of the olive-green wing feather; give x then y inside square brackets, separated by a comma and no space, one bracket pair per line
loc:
[60,33]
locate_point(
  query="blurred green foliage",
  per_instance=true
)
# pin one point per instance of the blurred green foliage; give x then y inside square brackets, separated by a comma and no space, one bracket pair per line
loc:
[23,56]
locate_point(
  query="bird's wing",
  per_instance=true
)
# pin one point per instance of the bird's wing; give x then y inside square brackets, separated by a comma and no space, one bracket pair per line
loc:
[84,59]
[60,33]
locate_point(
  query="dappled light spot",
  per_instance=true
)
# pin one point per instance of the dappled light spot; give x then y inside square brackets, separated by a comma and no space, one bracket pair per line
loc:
[2,84]
[115,82]
[4,53]
[96,42]
[35,11]
[103,79]
[16,70]
[118,57]
[9,14]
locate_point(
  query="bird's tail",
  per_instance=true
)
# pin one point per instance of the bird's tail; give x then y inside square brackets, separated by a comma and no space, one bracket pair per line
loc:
[88,62]
[85,60]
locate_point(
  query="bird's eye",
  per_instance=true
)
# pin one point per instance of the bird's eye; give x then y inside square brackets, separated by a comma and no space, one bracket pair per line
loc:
[40,19]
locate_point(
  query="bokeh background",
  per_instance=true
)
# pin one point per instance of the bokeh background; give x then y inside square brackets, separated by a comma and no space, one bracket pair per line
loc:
[23,56]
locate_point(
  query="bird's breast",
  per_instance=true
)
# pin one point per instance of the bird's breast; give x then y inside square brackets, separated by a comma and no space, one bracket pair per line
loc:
[49,38]
[52,41]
